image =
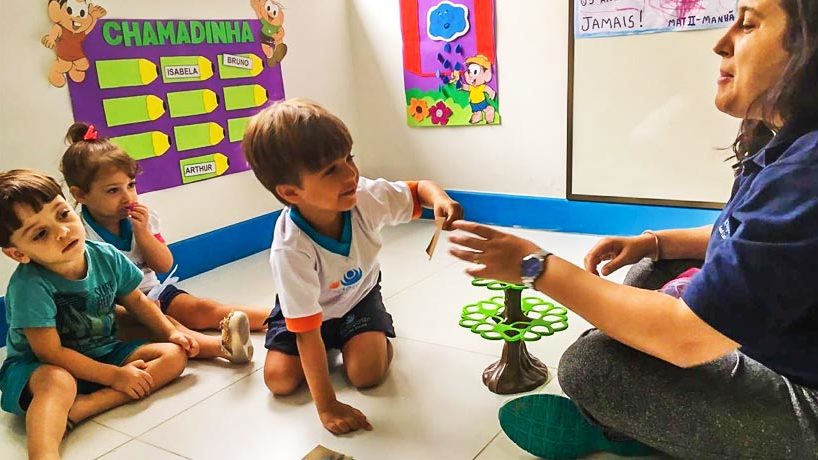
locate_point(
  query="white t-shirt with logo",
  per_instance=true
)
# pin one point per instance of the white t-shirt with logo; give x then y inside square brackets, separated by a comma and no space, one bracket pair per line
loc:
[319,278]
[126,243]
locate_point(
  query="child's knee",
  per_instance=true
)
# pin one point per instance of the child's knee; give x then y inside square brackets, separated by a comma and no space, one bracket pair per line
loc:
[53,379]
[173,357]
[366,375]
[280,381]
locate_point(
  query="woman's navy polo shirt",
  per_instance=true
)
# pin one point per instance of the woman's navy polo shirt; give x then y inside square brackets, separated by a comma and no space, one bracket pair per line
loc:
[759,282]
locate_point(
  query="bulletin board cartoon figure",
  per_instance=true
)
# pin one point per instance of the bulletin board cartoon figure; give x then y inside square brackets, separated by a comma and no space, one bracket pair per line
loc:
[450,68]
[73,21]
[477,76]
[271,15]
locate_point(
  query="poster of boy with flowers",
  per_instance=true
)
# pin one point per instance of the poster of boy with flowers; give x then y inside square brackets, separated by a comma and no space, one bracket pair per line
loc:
[449,62]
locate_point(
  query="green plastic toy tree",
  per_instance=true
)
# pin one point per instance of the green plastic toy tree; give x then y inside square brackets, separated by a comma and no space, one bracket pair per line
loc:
[515,320]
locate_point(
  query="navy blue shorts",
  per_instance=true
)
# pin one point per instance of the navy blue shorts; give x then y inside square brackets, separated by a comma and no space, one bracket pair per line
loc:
[166,297]
[369,315]
[16,372]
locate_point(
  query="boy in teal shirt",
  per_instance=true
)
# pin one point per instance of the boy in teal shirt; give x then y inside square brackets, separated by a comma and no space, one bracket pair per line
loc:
[64,363]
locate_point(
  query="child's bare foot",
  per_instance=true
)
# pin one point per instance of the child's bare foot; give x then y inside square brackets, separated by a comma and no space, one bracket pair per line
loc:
[236,344]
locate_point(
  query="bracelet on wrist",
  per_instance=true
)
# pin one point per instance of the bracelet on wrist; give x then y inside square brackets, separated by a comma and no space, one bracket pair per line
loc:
[657,254]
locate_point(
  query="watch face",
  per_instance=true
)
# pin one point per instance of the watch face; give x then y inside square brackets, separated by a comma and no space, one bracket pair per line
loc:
[532,267]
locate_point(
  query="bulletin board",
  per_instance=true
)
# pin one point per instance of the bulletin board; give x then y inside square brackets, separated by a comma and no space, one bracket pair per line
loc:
[176,95]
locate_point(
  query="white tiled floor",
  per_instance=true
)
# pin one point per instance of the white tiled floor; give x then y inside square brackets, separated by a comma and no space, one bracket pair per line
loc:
[432,405]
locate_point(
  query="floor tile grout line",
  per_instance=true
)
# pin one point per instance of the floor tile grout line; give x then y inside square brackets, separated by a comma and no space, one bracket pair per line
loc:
[404,289]
[450,347]
[114,448]
[94,421]
[139,436]
[487,444]
[163,449]
[550,366]
[196,402]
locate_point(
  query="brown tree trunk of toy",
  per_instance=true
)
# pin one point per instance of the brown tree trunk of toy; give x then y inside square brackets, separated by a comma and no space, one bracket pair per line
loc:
[516,371]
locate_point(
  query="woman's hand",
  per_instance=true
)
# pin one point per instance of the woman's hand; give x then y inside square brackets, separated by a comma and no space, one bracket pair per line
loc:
[498,255]
[620,252]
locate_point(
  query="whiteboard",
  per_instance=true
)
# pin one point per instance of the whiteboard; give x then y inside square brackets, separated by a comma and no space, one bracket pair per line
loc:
[642,123]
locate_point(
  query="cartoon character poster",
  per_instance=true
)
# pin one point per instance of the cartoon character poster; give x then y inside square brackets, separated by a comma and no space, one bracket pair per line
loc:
[176,95]
[72,21]
[450,62]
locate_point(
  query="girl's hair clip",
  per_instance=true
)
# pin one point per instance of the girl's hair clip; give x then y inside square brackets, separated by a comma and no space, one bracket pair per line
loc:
[92,134]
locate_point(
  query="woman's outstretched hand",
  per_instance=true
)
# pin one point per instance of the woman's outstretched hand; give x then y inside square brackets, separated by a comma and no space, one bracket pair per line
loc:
[497,255]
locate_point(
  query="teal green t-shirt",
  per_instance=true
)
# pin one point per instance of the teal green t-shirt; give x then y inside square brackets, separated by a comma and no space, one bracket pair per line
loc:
[82,311]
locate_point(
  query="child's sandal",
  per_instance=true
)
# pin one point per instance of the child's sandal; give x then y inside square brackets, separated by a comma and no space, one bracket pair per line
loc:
[236,344]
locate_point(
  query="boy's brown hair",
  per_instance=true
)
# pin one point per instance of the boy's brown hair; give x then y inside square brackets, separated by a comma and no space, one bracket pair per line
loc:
[88,154]
[293,137]
[23,187]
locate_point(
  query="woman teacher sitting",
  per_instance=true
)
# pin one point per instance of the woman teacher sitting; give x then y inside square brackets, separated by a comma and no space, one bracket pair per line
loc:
[724,363]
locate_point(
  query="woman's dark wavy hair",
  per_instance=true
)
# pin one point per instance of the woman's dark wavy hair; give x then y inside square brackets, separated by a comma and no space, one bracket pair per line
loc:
[795,97]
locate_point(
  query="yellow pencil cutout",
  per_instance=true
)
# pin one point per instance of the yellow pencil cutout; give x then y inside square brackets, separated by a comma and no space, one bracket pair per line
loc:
[239,66]
[204,167]
[124,73]
[180,69]
[143,145]
[134,109]
[244,97]
[189,137]
[193,102]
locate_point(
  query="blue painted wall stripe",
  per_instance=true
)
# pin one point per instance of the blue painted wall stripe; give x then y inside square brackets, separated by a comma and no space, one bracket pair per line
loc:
[219,247]
[211,250]
[561,215]
[207,251]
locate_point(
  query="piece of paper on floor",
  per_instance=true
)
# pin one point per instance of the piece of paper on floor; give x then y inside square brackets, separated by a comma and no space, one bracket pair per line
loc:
[322,453]
[439,221]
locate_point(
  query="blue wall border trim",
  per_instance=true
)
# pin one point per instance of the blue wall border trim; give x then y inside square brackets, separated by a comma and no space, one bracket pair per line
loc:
[211,250]
[207,251]
[561,215]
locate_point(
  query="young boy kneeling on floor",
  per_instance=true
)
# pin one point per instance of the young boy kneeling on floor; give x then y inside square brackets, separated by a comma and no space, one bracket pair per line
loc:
[324,254]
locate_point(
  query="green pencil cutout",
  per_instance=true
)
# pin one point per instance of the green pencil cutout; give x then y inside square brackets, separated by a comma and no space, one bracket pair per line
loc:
[244,97]
[239,66]
[196,136]
[204,167]
[143,145]
[236,128]
[133,109]
[194,102]
[124,73]
[180,69]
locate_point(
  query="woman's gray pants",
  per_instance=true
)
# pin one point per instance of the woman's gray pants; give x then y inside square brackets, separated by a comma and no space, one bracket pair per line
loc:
[731,408]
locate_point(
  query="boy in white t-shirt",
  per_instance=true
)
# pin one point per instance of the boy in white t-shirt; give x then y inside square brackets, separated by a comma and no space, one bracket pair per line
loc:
[324,254]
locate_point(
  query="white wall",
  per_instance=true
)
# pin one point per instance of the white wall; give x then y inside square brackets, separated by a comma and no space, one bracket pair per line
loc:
[35,116]
[526,155]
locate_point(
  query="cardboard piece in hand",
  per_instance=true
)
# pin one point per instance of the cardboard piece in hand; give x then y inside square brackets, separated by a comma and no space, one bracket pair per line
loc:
[439,221]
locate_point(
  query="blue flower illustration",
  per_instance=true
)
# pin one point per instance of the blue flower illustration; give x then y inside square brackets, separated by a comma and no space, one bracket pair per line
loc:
[448,21]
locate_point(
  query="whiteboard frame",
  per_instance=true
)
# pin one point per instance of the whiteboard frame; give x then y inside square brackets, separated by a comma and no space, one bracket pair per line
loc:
[570,195]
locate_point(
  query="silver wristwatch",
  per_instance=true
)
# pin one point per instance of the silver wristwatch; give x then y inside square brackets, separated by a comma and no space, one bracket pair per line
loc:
[532,267]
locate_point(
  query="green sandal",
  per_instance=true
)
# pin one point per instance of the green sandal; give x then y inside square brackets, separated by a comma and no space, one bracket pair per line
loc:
[551,427]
